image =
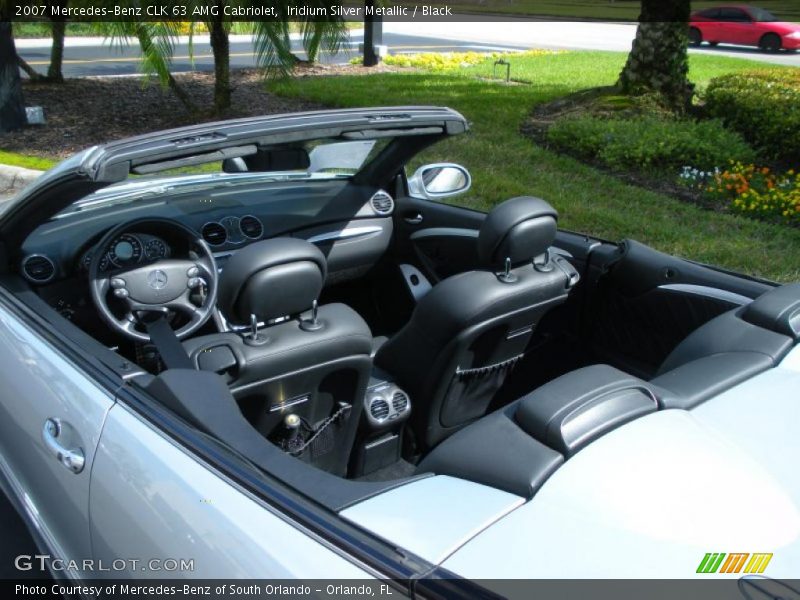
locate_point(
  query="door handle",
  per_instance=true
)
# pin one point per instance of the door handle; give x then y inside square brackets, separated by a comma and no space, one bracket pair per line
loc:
[71,458]
[413,218]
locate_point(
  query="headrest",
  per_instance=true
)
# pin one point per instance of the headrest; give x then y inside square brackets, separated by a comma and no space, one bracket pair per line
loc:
[521,229]
[271,279]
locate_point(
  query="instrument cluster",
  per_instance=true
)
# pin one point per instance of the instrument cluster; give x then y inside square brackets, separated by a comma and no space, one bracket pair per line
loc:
[128,250]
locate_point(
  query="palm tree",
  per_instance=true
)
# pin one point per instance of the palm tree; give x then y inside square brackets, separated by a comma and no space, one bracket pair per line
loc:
[157,41]
[271,42]
[58,28]
[12,106]
[658,61]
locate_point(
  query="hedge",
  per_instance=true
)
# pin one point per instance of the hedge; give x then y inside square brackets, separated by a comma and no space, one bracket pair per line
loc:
[651,144]
[764,106]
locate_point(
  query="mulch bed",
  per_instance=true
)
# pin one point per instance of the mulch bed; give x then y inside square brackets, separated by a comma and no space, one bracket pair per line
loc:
[94,110]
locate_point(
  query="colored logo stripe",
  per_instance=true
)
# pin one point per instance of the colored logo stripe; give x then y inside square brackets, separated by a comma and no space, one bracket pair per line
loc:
[758,563]
[710,562]
[713,562]
[734,562]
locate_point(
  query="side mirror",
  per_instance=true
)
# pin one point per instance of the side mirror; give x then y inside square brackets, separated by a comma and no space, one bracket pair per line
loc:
[440,180]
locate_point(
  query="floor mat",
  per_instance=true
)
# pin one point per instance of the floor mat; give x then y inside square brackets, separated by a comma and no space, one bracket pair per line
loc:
[398,470]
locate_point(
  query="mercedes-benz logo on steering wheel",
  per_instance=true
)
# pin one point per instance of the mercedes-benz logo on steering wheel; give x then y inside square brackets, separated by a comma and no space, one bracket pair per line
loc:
[157,279]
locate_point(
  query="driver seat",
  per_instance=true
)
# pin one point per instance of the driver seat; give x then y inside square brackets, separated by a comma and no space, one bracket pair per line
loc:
[286,356]
[469,331]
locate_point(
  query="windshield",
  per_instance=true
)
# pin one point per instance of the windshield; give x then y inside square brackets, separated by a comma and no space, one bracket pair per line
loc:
[759,14]
[314,160]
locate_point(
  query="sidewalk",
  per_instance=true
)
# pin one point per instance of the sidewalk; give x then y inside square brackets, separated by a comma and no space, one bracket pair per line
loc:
[13,179]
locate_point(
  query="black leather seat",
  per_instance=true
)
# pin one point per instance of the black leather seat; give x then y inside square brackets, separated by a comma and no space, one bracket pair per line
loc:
[731,348]
[468,332]
[294,362]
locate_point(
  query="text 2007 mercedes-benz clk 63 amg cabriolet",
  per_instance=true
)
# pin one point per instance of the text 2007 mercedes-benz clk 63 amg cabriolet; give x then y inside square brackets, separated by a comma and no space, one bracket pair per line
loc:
[305,364]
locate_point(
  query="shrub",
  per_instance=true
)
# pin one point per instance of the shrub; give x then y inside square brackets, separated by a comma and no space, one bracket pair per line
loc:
[442,61]
[764,106]
[651,144]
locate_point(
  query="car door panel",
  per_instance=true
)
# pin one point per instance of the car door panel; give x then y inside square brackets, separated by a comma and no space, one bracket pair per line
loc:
[737,27]
[643,303]
[152,501]
[437,238]
[39,384]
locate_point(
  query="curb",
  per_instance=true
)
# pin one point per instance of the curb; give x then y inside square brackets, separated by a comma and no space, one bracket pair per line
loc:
[13,179]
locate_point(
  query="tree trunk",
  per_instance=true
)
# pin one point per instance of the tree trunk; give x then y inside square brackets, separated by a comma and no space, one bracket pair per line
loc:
[57,51]
[12,105]
[220,47]
[29,70]
[658,61]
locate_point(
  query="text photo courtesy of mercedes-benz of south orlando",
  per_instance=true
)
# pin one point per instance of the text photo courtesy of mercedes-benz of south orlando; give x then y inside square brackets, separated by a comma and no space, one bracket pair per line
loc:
[380,299]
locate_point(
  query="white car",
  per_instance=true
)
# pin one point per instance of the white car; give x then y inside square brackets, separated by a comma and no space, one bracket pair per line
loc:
[306,365]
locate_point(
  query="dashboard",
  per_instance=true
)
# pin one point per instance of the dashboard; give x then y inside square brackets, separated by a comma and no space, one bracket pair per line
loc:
[351,224]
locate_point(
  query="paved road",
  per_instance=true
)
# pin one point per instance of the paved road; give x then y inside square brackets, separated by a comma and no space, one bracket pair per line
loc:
[96,57]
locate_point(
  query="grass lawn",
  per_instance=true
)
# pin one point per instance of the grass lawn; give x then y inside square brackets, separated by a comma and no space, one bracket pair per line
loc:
[504,163]
[23,160]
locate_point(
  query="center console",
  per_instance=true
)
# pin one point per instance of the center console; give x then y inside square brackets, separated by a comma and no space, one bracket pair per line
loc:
[386,409]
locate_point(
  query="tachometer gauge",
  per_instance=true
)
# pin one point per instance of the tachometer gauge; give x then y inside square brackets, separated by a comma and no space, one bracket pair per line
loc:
[155,249]
[125,250]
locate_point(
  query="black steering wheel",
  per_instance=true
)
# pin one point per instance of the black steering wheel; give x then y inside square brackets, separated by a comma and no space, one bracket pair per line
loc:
[159,288]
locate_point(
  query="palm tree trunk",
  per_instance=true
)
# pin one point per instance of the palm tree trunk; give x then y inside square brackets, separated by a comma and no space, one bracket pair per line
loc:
[29,70]
[220,47]
[658,61]
[54,72]
[12,105]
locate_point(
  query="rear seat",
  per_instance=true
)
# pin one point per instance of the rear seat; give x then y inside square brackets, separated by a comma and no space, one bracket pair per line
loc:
[731,348]
[519,446]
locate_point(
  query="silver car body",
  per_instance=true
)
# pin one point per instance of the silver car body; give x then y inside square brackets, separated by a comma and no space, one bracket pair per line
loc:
[645,500]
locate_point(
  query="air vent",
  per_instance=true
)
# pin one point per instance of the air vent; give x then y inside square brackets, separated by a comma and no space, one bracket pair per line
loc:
[399,402]
[382,203]
[38,268]
[214,233]
[251,227]
[379,409]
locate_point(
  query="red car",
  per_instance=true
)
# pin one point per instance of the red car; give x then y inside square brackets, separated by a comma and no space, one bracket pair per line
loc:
[743,25]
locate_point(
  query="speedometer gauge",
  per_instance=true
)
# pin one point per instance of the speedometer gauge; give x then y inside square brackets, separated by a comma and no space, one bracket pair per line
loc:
[125,250]
[155,249]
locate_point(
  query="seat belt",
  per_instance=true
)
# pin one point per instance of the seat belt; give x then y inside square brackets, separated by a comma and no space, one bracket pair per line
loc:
[168,345]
